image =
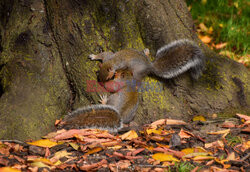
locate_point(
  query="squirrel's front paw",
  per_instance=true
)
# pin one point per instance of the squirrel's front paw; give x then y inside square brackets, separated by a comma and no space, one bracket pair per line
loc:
[110,74]
[92,57]
[103,99]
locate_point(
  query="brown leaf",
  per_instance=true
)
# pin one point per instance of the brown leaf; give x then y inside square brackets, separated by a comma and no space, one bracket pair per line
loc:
[123,164]
[247,118]
[4,161]
[185,134]
[247,129]
[228,124]
[217,144]
[94,166]
[221,45]
[135,152]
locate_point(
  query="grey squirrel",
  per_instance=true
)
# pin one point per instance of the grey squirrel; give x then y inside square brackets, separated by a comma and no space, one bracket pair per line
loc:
[118,108]
[127,65]
[171,60]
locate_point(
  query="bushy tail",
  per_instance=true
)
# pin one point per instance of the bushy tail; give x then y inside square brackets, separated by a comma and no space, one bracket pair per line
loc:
[95,116]
[177,57]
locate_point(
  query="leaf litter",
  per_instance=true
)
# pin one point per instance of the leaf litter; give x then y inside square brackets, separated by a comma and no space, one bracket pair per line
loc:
[156,147]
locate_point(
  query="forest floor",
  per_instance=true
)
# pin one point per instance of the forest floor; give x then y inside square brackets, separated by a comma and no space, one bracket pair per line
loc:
[164,145]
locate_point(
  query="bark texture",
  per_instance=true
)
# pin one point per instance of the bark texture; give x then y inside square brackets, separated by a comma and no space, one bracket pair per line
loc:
[44,67]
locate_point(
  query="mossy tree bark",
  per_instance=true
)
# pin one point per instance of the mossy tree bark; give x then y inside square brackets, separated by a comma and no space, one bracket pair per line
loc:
[44,67]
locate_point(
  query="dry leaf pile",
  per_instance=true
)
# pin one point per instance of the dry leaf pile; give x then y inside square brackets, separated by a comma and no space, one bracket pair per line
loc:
[159,146]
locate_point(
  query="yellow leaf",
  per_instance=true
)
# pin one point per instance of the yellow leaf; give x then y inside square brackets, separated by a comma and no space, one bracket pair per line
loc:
[129,135]
[116,147]
[62,154]
[9,169]
[43,160]
[150,148]
[199,118]
[46,143]
[164,157]
[223,162]
[203,27]
[221,25]
[58,162]
[210,30]
[192,150]
[203,2]
[94,150]
[74,145]
[39,164]
[236,4]
[150,131]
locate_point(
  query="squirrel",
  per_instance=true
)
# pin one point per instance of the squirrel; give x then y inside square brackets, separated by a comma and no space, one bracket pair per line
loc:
[171,60]
[120,107]
[127,66]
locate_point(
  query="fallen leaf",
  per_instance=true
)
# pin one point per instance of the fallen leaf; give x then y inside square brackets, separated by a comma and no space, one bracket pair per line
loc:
[202,158]
[185,134]
[167,122]
[199,118]
[220,45]
[129,135]
[203,27]
[231,156]
[224,132]
[43,160]
[228,124]
[39,164]
[158,122]
[9,169]
[123,164]
[220,132]
[74,145]
[46,143]
[206,39]
[192,150]
[227,53]
[155,131]
[218,144]
[247,118]
[94,150]
[197,154]
[222,162]
[60,154]
[164,157]
[247,129]
[94,166]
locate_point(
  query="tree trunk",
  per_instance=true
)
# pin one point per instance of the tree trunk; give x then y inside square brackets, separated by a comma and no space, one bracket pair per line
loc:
[44,69]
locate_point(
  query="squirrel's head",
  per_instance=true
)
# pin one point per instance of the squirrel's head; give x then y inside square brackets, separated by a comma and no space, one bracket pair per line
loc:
[104,72]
